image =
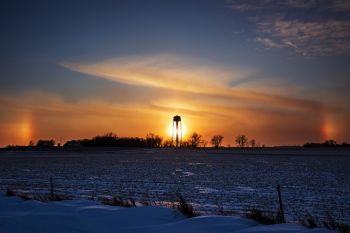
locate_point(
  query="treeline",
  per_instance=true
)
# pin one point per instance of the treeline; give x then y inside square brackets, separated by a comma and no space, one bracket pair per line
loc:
[112,140]
[327,143]
[43,143]
[151,140]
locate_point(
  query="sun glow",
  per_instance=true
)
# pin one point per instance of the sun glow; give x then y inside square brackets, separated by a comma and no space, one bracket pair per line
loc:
[170,130]
[25,131]
[328,130]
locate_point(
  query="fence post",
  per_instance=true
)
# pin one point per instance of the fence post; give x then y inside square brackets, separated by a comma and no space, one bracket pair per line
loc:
[280,202]
[51,188]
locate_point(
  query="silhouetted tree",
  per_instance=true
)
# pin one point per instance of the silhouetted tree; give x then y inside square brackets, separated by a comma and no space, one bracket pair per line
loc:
[45,143]
[31,143]
[241,140]
[153,140]
[252,143]
[106,140]
[216,140]
[203,143]
[344,144]
[112,140]
[195,140]
[168,142]
[330,143]
[186,143]
[73,143]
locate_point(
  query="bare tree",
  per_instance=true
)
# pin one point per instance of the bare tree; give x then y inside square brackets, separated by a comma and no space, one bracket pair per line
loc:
[168,142]
[153,140]
[252,143]
[241,140]
[216,140]
[186,143]
[195,139]
[203,143]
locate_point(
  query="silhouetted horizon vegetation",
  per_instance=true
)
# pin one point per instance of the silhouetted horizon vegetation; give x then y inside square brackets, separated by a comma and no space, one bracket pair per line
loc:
[242,141]
[45,143]
[151,140]
[327,143]
[112,140]
[217,140]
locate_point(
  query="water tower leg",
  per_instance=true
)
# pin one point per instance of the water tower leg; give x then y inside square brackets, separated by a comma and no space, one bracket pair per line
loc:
[177,133]
[180,132]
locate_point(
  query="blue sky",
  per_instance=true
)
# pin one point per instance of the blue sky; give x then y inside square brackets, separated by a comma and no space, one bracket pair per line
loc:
[277,71]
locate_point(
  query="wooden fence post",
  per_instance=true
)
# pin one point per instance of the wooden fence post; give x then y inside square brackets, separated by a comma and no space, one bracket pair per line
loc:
[51,188]
[280,202]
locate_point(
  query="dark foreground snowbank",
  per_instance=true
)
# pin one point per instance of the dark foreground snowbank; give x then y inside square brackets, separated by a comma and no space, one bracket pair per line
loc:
[19,216]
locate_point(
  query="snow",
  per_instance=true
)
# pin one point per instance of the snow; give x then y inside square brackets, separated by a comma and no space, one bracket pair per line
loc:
[84,216]
[236,180]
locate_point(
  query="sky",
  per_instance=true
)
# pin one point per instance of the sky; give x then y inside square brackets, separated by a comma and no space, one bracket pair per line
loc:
[274,70]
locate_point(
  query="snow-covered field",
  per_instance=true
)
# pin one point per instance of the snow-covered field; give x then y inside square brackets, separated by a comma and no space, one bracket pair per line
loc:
[312,180]
[19,216]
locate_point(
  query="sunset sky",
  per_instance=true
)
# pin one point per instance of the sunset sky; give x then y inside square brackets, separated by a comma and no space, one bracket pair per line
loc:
[277,71]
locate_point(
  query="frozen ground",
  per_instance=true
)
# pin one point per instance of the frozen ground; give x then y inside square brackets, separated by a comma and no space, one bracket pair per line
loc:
[312,180]
[18,216]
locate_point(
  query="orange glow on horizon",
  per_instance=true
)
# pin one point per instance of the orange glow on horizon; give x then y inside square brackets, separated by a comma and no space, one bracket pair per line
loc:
[85,119]
[328,130]
[25,132]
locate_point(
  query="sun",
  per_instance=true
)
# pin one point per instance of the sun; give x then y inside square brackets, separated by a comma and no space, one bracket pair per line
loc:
[170,130]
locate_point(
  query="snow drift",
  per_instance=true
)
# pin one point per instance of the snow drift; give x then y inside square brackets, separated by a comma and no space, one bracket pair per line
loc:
[84,216]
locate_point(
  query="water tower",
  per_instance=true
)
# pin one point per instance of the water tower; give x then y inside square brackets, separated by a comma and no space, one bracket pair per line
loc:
[177,129]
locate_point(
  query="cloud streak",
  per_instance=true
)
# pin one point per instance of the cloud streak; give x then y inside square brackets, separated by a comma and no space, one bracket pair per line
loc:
[183,74]
[164,71]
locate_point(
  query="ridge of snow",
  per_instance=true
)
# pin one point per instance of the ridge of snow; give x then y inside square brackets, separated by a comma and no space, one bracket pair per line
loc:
[83,216]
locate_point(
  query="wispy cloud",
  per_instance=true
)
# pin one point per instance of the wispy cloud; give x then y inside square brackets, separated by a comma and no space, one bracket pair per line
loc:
[341,5]
[248,5]
[184,74]
[269,43]
[309,38]
[309,27]
[173,72]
